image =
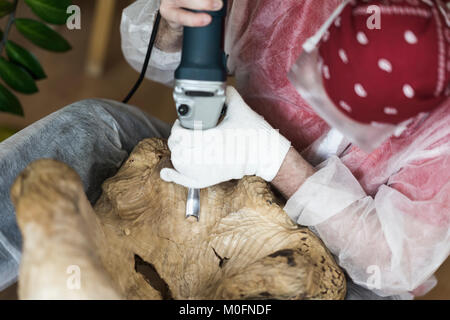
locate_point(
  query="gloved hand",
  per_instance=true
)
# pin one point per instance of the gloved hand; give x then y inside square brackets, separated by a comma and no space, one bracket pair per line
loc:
[242,144]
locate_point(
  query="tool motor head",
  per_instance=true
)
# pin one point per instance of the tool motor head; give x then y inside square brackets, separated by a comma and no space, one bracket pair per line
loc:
[200,79]
[199,103]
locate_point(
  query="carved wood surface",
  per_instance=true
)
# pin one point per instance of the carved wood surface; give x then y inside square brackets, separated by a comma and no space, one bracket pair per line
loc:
[136,243]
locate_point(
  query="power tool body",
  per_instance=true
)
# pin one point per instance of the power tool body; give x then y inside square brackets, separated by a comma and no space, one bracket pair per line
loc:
[200,84]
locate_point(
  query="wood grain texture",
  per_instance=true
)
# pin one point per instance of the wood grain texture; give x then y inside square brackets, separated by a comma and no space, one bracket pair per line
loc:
[136,244]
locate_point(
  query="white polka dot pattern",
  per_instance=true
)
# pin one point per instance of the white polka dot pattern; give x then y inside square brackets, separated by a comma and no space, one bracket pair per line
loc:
[386,74]
[326,72]
[390,110]
[408,91]
[362,38]
[360,91]
[345,106]
[410,37]
[385,65]
[337,22]
[343,56]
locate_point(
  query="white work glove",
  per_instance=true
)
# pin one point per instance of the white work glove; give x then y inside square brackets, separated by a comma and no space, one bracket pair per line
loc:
[243,144]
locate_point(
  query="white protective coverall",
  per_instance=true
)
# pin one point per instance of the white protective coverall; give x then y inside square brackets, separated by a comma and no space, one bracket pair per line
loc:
[385,215]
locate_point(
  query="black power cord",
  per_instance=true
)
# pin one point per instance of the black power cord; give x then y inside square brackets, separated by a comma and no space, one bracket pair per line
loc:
[147,58]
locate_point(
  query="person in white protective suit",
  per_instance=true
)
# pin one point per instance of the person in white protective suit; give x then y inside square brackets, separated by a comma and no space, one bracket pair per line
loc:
[384,213]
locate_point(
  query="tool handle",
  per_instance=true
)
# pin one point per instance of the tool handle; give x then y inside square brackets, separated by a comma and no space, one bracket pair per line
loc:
[203,57]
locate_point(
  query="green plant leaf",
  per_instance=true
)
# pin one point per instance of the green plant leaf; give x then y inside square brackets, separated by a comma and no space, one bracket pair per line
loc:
[6,8]
[16,77]
[9,102]
[26,59]
[41,35]
[51,11]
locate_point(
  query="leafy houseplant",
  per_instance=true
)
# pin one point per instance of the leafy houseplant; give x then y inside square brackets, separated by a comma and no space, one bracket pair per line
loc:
[19,68]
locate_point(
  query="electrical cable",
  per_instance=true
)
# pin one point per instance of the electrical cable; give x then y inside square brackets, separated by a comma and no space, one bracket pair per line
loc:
[147,59]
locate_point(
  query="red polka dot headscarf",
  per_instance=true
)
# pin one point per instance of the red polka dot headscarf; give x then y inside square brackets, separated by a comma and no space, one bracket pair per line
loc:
[389,67]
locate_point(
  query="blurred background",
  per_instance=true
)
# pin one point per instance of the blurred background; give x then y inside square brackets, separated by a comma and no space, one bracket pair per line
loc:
[96,68]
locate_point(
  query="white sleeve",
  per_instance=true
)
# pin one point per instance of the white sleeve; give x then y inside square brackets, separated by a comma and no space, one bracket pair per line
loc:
[382,242]
[136,28]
